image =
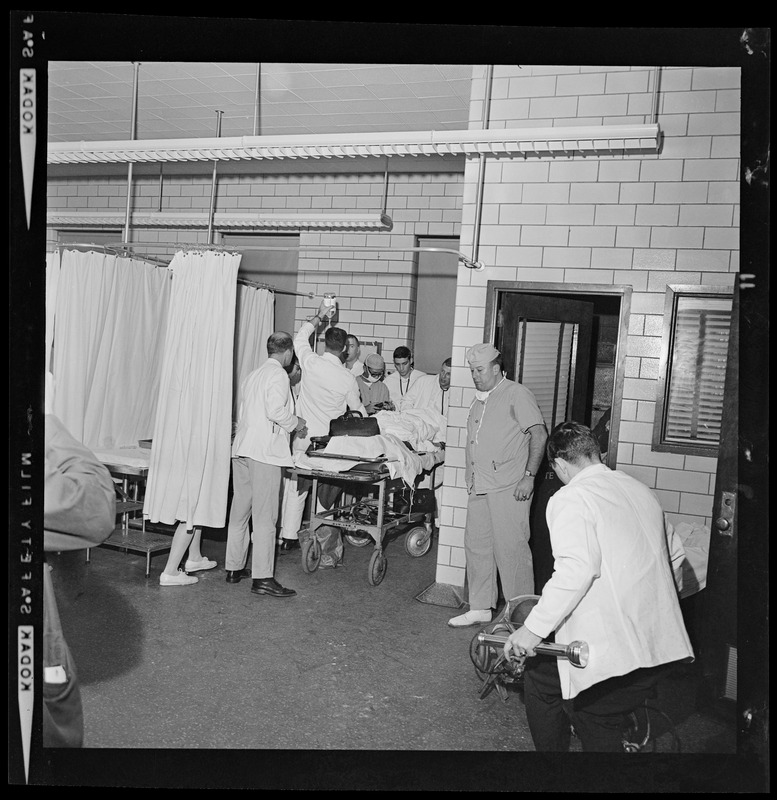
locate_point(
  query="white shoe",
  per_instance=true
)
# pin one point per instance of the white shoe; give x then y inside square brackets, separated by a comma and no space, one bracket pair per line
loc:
[179,579]
[470,618]
[199,566]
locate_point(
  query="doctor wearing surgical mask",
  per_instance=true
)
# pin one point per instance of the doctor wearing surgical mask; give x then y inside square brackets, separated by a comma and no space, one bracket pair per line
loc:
[374,393]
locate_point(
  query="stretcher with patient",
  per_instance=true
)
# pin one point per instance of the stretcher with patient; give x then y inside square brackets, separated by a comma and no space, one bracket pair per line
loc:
[379,476]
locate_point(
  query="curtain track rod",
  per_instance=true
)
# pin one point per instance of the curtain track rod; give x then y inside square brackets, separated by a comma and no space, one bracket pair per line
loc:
[270,288]
[379,248]
[107,248]
[468,262]
[165,264]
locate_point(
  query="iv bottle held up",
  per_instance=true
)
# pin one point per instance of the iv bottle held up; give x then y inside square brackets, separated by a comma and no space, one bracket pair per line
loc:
[330,301]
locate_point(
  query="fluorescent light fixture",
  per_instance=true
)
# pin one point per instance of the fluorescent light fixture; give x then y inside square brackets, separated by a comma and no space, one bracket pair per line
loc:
[224,222]
[594,139]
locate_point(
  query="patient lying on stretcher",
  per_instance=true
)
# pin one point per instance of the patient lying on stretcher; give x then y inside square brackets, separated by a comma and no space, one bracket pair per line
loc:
[409,440]
[422,428]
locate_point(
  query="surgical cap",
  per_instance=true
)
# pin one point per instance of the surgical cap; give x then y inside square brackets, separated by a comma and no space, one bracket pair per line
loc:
[481,354]
[375,361]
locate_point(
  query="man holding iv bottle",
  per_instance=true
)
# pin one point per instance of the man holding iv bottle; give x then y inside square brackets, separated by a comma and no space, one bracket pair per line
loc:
[327,389]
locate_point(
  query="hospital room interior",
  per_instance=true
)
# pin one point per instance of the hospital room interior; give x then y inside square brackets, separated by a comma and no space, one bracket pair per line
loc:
[584,220]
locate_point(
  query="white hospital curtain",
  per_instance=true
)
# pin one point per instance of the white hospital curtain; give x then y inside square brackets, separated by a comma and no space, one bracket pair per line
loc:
[255,321]
[190,456]
[109,325]
[53,262]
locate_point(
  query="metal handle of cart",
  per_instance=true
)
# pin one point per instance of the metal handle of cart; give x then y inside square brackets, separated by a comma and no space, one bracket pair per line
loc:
[574,652]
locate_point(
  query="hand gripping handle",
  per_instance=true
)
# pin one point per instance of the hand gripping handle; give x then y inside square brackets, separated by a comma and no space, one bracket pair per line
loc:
[575,652]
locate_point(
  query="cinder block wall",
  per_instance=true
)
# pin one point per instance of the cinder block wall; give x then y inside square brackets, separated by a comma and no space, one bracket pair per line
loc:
[376,289]
[643,220]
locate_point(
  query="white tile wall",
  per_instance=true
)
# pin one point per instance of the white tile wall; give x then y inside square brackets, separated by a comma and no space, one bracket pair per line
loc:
[657,219]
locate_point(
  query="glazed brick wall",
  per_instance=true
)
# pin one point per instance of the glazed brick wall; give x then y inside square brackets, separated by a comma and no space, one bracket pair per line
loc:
[375,289]
[645,220]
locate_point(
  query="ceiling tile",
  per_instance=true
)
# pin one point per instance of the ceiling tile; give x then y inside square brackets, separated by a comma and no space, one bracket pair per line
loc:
[180,98]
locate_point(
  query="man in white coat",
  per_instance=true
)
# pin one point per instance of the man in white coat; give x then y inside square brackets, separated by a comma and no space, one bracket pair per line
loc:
[613,588]
[327,389]
[404,376]
[260,449]
[430,391]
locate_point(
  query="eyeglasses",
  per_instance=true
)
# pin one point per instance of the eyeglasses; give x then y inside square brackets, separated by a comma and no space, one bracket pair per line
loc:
[376,373]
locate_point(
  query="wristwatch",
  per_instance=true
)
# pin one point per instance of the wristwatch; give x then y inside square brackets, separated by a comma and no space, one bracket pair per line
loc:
[528,474]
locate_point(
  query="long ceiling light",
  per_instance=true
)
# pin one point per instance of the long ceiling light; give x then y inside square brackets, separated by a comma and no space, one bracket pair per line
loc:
[558,141]
[224,222]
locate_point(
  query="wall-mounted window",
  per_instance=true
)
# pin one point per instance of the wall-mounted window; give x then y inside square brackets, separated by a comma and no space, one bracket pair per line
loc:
[689,403]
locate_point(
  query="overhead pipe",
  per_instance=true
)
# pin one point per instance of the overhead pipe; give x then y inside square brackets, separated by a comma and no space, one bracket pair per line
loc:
[161,185]
[385,188]
[213,183]
[656,87]
[257,98]
[482,170]
[384,217]
[133,136]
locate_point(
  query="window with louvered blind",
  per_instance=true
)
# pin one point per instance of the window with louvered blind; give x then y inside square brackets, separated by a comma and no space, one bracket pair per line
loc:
[689,404]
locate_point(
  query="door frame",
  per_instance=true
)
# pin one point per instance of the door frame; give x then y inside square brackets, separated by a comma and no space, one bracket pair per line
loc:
[495,288]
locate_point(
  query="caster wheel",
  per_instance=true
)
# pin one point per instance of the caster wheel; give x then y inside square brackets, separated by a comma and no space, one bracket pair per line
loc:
[378,566]
[311,555]
[358,539]
[418,541]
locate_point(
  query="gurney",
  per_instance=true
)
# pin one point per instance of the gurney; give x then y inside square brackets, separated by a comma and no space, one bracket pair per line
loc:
[381,494]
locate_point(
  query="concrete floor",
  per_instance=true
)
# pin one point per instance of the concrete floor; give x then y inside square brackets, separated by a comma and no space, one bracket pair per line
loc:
[343,667]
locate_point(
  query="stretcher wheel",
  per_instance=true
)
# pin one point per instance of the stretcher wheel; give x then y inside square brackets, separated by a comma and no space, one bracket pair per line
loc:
[311,555]
[418,540]
[358,539]
[378,566]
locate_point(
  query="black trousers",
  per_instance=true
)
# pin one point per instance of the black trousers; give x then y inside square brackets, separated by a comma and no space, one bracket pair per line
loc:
[598,713]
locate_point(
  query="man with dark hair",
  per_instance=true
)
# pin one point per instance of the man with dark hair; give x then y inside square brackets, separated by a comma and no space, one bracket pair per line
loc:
[352,356]
[260,449]
[336,341]
[612,587]
[506,437]
[327,389]
[404,376]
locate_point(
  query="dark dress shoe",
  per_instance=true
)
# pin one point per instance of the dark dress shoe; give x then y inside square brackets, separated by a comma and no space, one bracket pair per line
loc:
[270,586]
[236,575]
[287,545]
